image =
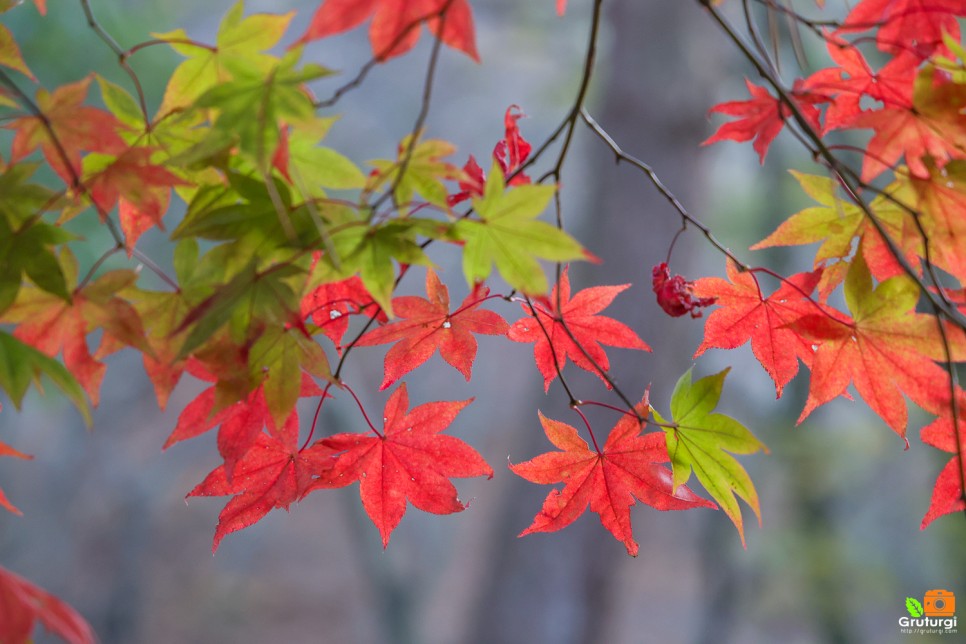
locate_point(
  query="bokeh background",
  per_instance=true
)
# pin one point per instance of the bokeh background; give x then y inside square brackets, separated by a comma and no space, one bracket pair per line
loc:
[105,525]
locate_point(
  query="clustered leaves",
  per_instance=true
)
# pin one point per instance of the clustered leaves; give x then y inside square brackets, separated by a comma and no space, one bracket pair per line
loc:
[289,256]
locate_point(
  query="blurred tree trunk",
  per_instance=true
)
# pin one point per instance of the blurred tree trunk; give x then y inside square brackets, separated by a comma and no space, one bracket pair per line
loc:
[653,87]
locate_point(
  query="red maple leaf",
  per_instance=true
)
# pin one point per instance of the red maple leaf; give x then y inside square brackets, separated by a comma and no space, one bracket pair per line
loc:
[906,25]
[396,23]
[410,460]
[274,473]
[746,313]
[23,603]
[553,345]
[143,188]
[6,450]
[52,325]
[331,305]
[513,150]
[675,294]
[77,128]
[509,153]
[240,423]
[852,78]
[609,479]
[426,325]
[764,116]
[947,495]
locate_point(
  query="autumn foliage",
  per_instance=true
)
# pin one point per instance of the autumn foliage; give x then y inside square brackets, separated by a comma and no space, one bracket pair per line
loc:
[287,259]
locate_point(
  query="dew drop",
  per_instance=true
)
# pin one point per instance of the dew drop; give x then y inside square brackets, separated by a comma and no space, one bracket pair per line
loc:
[363,475]
[412,478]
[949,184]
[409,429]
[334,315]
[525,329]
[447,325]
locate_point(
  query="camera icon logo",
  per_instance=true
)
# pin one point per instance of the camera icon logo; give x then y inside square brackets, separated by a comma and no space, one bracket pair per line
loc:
[939,603]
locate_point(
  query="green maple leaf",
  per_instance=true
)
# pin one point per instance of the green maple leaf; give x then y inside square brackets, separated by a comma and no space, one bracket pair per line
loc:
[836,222]
[508,235]
[239,43]
[26,242]
[251,105]
[277,359]
[425,172]
[248,297]
[21,363]
[699,440]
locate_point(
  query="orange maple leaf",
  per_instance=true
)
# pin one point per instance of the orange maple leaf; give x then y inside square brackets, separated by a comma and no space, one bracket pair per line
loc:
[886,348]
[76,127]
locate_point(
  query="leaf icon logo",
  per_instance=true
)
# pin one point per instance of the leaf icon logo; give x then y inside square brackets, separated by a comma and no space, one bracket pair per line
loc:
[914,607]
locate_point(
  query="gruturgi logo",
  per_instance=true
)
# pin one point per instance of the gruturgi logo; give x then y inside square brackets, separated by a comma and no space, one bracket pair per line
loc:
[935,615]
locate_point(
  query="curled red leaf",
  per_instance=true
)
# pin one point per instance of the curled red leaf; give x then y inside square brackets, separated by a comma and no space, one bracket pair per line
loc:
[675,294]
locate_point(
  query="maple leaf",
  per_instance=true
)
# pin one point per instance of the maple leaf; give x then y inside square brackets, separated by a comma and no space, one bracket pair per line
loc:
[331,304]
[513,150]
[610,480]
[77,128]
[553,345]
[6,450]
[885,348]
[508,235]
[52,325]
[410,460]
[20,364]
[471,185]
[699,440]
[836,223]
[509,153]
[396,23]
[948,495]
[10,53]
[764,116]
[239,424]
[143,188]
[22,603]
[425,171]
[746,313]
[935,126]
[240,43]
[852,78]
[273,473]
[906,25]
[426,325]
[941,202]
[675,294]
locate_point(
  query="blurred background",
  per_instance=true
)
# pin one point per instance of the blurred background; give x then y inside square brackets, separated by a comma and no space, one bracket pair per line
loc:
[105,525]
